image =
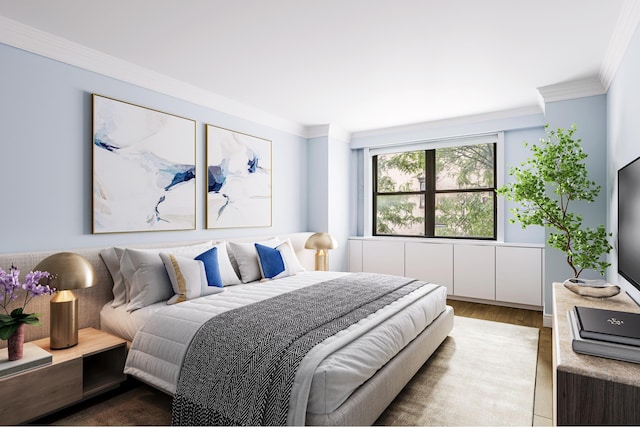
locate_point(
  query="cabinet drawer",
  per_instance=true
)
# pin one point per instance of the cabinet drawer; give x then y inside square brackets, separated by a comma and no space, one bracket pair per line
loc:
[431,263]
[519,275]
[474,271]
[383,257]
[355,256]
[35,393]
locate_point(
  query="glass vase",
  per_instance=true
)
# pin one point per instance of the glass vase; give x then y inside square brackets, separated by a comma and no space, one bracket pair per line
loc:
[15,343]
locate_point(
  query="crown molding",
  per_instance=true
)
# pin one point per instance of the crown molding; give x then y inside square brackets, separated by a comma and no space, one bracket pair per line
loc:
[32,40]
[517,118]
[339,134]
[317,131]
[570,90]
[624,30]
[328,131]
[532,112]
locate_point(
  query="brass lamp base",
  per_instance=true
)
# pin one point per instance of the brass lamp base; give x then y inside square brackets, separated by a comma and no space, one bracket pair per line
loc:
[322,260]
[64,320]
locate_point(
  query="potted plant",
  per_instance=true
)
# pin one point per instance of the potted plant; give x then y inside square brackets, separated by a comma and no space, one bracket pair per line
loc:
[12,323]
[557,165]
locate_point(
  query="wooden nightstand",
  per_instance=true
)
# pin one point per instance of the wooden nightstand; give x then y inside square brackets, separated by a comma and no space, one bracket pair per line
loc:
[590,390]
[93,366]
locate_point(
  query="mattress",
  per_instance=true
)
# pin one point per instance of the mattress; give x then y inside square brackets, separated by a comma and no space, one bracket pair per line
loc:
[352,356]
[120,322]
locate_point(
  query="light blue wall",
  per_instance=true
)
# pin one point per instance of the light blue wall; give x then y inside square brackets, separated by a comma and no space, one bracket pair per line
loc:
[45,116]
[514,154]
[339,194]
[357,193]
[318,184]
[330,190]
[623,136]
[589,115]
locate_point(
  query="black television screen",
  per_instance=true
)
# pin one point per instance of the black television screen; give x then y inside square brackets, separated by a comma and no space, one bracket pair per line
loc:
[629,222]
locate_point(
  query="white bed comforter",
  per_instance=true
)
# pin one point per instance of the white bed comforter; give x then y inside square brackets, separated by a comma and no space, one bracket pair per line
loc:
[328,374]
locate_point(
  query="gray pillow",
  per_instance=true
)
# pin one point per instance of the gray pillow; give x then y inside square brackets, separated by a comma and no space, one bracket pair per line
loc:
[146,280]
[247,258]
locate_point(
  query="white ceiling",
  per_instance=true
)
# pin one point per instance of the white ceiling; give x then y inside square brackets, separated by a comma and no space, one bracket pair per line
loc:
[354,64]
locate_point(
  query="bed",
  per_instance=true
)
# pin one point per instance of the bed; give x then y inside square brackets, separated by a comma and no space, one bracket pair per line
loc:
[347,378]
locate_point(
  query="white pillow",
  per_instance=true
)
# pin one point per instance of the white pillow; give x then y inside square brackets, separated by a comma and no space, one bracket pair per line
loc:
[145,277]
[290,257]
[227,272]
[112,258]
[246,258]
[188,278]
[278,262]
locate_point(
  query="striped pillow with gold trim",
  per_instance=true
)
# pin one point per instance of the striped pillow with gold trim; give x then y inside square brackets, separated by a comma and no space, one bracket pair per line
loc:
[188,278]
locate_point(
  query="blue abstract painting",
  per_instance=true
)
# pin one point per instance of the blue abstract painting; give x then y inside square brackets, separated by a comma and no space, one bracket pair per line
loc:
[143,169]
[238,179]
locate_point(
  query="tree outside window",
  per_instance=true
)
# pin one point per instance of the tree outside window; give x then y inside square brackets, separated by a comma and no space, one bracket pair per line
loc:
[443,192]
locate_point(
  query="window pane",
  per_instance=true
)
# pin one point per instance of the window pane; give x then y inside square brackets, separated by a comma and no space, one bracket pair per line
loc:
[401,172]
[403,215]
[468,166]
[465,214]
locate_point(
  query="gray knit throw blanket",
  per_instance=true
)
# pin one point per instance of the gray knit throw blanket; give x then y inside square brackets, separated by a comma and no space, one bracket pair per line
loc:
[240,366]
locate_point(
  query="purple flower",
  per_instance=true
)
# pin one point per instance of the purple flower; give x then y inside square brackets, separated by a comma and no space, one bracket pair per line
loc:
[10,286]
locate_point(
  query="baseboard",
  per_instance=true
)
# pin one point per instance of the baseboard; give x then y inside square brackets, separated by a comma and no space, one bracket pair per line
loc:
[493,302]
[547,320]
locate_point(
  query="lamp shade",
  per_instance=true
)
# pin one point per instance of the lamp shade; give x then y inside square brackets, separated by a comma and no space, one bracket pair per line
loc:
[321,241]
[69,271]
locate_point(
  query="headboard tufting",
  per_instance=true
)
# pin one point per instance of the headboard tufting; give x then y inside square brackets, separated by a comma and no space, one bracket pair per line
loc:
[91,300]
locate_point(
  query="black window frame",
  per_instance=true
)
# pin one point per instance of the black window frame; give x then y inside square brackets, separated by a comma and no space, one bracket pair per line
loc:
[429,195]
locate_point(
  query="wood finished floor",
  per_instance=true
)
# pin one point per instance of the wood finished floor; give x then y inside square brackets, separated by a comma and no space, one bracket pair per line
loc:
[543,400]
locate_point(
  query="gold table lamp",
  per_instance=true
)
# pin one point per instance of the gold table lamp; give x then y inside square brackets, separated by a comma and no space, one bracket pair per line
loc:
[70,271]
[321,242]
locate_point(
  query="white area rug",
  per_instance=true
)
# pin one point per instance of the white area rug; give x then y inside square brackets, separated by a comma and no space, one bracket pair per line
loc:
[483,374]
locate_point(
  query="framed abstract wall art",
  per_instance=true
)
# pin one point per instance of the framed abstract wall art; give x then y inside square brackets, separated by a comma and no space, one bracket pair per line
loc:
[143,169]
[238,179]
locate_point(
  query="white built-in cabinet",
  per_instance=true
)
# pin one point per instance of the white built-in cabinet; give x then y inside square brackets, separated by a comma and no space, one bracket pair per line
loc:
[519,275]
[489,271]
[474,271]
[383,257]
[430,263]
[355,255]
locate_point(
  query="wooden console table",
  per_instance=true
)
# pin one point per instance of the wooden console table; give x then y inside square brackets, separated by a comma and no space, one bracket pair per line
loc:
[590,390]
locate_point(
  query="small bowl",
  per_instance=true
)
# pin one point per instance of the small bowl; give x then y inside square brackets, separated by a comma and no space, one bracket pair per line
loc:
[592,288]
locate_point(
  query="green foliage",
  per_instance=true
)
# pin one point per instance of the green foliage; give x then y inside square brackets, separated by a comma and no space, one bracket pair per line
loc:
[557,164]
[461,167]
[410,163]
[465,215]
[395,215]
[470,165]
[9,323]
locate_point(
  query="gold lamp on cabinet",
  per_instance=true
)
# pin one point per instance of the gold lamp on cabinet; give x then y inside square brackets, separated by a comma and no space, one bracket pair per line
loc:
[321,242]
[70,271]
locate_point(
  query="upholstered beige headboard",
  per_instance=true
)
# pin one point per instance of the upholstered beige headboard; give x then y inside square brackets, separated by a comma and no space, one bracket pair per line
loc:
[91,300]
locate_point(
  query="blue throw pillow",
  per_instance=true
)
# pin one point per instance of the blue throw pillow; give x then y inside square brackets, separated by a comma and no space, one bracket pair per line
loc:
[271,262]
[211,267]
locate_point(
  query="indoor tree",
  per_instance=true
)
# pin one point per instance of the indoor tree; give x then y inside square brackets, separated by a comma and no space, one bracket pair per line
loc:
[557,164]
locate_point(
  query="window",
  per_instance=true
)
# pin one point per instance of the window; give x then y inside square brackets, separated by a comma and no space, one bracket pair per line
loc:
[439,192]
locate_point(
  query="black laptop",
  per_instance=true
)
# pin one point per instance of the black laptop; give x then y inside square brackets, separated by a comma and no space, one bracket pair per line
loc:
[608,325]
